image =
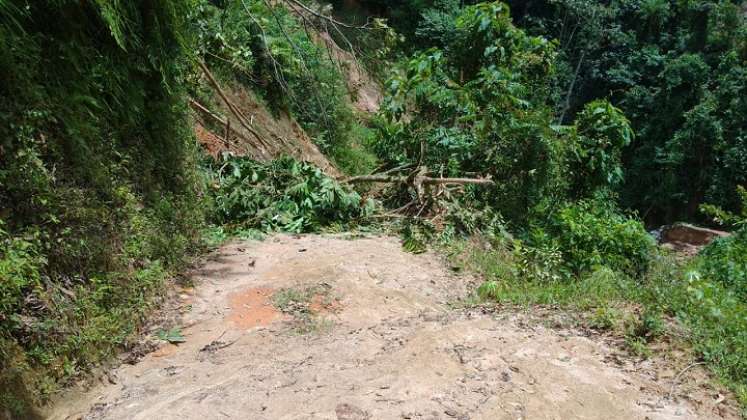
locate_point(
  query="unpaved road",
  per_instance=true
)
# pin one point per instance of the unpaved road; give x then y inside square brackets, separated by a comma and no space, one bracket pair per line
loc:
[377,338]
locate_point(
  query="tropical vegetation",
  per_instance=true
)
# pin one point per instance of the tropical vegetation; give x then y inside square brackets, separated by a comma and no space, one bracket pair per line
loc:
[587,124]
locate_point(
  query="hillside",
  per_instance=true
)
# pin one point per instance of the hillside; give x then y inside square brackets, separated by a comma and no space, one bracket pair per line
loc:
[553,170]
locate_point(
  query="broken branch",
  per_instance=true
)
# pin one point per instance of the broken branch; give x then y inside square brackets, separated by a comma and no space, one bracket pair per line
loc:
[327,18]
[231,107]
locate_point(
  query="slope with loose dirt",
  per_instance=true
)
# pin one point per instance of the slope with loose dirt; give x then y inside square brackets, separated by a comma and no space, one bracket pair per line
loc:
[279,134]
[331,327]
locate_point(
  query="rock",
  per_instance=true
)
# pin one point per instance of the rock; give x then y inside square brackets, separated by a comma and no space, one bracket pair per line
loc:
[690,235]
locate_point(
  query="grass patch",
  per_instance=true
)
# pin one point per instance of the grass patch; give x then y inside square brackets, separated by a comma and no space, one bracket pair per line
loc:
[305,306]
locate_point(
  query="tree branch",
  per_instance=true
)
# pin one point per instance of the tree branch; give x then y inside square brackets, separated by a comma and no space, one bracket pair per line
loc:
[327,18]
[425,180]
[234,110]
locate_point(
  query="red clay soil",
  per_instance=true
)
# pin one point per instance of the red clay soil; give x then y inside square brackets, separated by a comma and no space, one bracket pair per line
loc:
[253,308]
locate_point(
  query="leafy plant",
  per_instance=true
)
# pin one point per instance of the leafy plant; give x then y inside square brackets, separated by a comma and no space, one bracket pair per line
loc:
[677,70]
[282,195]
[488,290]
[604,318]
[592,233]
[20,266]
[727,218]
[602,132]
[725,261]
[477,105]
[99,184]
[646,326]
[415,236]
[173,336]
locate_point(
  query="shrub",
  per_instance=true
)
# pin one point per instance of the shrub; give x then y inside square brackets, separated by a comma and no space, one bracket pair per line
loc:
[437,26]
[478,105]
[728,218]
[717,319]
[602,131]
[604,318]
[725,261]
[20,265]
[592,233]
[98,182]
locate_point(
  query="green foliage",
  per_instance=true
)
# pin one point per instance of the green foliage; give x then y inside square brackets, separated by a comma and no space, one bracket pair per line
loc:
[678,71]
[725,261]
[602,132]
[645,326]
[20,265]
[593,233]
[282,195]
[540,262]
[416,235]
[477,106]
[727,218]
[717,320]
[437,25]
[98,181]
[604,318]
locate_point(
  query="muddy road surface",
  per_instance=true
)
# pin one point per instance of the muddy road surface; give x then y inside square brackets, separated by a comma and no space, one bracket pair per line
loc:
[323,327]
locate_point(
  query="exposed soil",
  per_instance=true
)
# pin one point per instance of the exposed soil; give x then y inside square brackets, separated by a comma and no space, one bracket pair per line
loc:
[385,341]
[365,93]
[280,133]
[252,308]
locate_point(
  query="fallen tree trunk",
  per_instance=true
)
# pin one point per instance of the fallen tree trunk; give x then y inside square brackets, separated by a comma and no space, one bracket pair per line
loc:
[425,180]
[420,183]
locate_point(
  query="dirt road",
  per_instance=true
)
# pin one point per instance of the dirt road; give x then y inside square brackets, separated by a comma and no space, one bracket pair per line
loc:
[322,327]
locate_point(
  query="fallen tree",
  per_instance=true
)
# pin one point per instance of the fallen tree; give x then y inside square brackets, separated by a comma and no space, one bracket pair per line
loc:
[419,181]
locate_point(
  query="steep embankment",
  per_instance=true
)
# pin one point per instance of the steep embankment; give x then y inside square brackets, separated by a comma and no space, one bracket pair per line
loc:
[329,327]
[277,135]
[242,123]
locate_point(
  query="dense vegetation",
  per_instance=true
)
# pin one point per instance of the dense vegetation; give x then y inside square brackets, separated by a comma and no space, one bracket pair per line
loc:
[584,114]
[677,69]
[99,193]
[632,105]
[284,195]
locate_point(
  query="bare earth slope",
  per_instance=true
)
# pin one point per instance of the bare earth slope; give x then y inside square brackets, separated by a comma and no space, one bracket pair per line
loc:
[376,339]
